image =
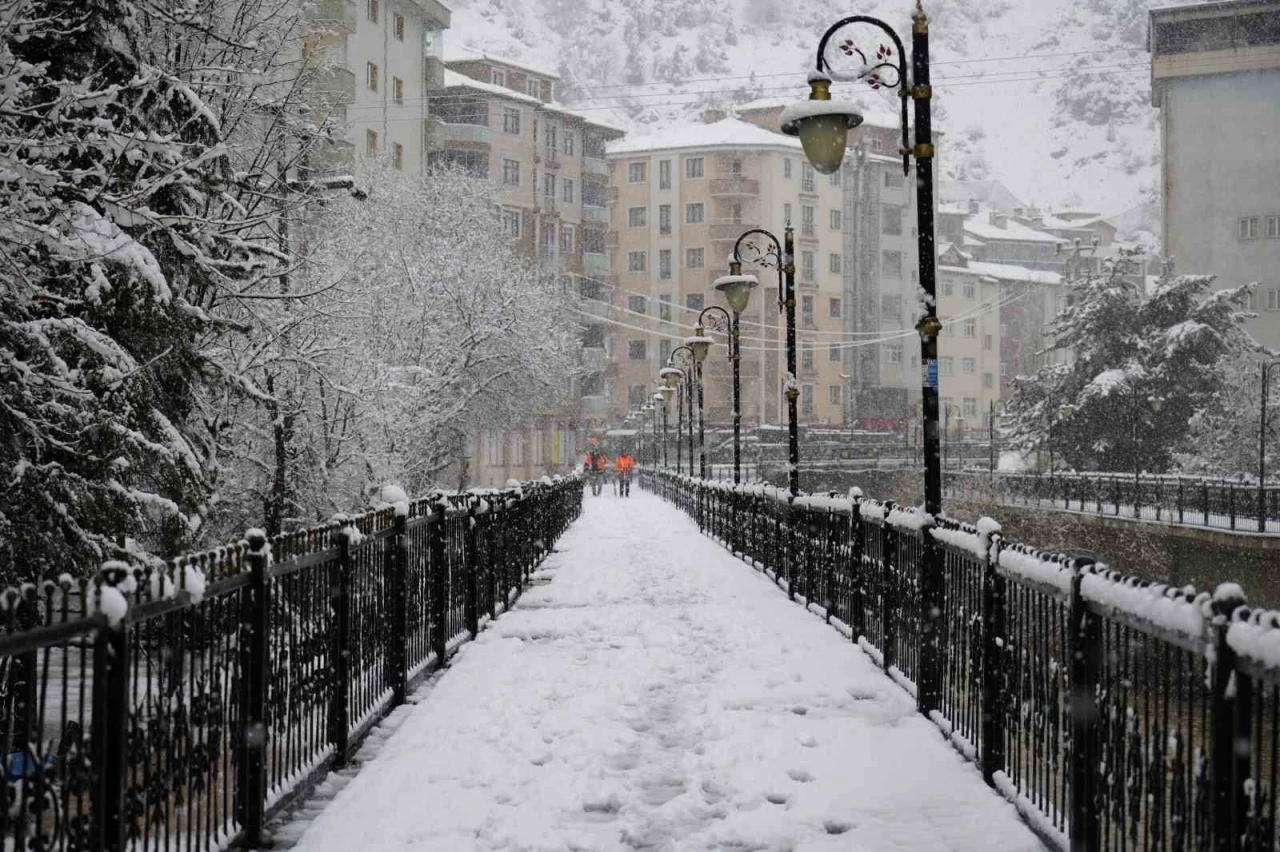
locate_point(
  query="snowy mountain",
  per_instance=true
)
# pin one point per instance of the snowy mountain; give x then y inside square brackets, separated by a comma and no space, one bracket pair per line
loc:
[1052,97]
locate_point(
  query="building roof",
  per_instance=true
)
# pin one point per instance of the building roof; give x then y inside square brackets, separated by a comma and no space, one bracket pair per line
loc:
[991,193]
[460,53]
[455,79]
[589,118]
[728,133]
[1005,272]
[980,226]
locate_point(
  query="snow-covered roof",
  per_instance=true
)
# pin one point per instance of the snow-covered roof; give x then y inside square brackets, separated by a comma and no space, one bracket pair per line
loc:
[980,226]
[728,133]
[1006,272]
[461,53]
[589,118]
[954,207]
[454,79]
[873,112]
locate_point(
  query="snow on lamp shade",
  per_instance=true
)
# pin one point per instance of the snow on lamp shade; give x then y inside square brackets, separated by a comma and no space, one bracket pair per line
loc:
[737,289]
[822,124]
[671,376]
[699,345]
[666,393]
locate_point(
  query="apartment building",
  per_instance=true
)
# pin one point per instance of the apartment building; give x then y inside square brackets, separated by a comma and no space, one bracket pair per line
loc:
[680,200]
[500,120]
[1215,67]
[382,58]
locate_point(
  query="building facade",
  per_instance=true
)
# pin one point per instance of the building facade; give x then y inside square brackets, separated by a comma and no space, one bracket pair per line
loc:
[1215,70]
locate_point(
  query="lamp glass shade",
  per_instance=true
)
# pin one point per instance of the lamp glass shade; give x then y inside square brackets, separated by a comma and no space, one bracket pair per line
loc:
[737,290]
[700,346]
[1157,403]
[824,138]
[666,393]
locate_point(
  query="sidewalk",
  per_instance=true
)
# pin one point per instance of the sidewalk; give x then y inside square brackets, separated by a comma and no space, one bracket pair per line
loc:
[660,695]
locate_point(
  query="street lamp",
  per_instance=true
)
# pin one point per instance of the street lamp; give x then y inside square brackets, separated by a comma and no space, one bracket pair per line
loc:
[689,377]
[700,346]
[661,398]
[1072,263]
[736,288]
[823,125]
[1156,403]
[670,377]
[781,256]
[1262,447]
[646,411]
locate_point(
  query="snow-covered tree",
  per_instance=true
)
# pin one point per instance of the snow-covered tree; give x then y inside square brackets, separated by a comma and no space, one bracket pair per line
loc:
[1133,369]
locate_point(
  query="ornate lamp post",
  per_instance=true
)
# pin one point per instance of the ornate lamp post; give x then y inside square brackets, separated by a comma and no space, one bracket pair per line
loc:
[646,412]
[823,127]
[670,377]
[736,288]
[1262,447]
[688,378]
[660,404]
[699,345]
[781,256]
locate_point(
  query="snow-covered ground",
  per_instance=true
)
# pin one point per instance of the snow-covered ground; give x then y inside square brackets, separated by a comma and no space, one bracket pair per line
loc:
[659,694]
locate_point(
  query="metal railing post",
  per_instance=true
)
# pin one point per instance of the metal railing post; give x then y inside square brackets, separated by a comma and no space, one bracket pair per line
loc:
[339,649]
[470,570]
[1230,744]
[439,584]
[397,585]
[994,651]
[251,789]
[932,591]
[110,734]
[857,574]
[1085,667]
[889,596]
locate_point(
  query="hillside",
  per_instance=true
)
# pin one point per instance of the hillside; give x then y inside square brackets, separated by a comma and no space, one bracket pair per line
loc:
[1050,96]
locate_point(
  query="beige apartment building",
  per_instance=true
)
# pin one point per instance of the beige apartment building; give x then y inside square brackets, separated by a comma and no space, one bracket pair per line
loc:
[499,119]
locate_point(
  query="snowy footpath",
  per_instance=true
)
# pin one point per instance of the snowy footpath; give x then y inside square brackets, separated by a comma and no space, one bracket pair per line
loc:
[659,694]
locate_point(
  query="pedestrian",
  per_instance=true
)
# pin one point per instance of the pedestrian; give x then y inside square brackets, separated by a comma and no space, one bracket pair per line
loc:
[602,471]
[623,466]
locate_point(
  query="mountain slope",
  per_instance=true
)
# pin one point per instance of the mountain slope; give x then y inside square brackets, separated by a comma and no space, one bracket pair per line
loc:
[1049,96]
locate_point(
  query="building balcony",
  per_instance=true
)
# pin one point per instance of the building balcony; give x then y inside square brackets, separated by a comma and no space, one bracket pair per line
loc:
[595,263]
[595,213]
[734,187]
[728,231]
[594,358]
[595,166]
[466,134]
[597,308]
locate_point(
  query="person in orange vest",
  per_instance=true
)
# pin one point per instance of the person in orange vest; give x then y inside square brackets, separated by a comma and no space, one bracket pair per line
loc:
[600,471]
[623,465]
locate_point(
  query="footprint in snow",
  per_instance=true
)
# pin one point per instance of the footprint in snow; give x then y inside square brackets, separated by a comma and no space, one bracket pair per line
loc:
[801,775]
[836,826]
[800,710]
[777,797]
[808,741]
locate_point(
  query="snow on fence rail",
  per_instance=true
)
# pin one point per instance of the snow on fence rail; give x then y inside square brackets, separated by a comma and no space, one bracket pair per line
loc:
[179,707]
[1195,501]
[1113,712]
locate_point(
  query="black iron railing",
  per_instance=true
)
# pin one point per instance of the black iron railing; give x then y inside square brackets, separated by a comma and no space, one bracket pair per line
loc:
[1220,503]
[178,708]
[1115,714]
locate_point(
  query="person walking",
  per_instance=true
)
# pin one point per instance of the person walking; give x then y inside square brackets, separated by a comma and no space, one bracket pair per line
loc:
[623,466]
[602,471]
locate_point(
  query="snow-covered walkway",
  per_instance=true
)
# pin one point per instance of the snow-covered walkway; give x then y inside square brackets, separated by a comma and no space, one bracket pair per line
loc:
[661,695]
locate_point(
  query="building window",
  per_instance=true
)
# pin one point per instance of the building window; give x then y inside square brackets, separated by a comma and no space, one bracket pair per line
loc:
[511,121]
[498,77]
[807,216]
[806,399]
[988,380]
[967,365]
[786,213]
[695,301]
[635,395]
[636,304]
[397,91]
[397,26]
[533,87]
[637,217]
[806,177]
[833,394]
[944,366]
[371,76]
[372,11]
[664,174]
[511,222]
[510,172]
[833,352]
[835,308]
[891,219]
[893,353]
[1249,228]
[833,263]
[1273,298]
[786,168]
[664,219]
[891,264]
[551,140]
[806,310]
[836,220]
[693,258]
[664,267]
[397,155]
[807,271]
[664,301]
[566,185]
[635,261]
[970,407]
[637,350]
[971,328]
[891,306]
[987,342]
[806,357]
[371,142]
[567,238]
[636,172]
[570,143]
[693,168]
[970,290]
[1273,227]
[947,288]
[593,337]
[664,351]
[892,178]
[835,178]
[693,213]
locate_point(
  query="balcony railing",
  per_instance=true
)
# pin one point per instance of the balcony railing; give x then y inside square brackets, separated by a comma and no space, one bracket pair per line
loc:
[473,133]
[595,166]
[729,187]
[728,231]
[595,213]
[595,262]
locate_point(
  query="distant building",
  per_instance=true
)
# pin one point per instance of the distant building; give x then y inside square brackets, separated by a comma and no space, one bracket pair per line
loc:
[1215,77]
[987,194]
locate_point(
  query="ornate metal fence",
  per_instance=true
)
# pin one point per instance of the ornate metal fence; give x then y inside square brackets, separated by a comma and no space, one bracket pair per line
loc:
[178,708]
[1220,503]
[1114,713]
